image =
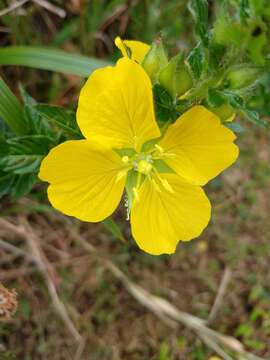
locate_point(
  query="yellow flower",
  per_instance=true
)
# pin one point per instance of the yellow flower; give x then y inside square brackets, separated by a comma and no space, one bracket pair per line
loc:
[124,149]
[137,49]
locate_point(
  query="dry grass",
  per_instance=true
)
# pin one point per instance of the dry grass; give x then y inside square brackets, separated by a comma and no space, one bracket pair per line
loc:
[112,323]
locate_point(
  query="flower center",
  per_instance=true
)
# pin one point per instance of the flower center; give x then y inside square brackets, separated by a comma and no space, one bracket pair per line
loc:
[148,164]
[144,167]
[142,163]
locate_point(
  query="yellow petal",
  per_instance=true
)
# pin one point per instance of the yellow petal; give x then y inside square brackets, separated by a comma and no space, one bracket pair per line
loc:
[199,146]
[138,49]
[83,179]
[159,220]
[116,106]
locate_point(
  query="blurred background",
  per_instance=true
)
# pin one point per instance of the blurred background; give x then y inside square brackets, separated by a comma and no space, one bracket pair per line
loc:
[113,325]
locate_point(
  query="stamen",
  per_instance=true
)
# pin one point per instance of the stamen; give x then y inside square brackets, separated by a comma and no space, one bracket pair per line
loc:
[163,182]
[169,155]
[166,185]
[120,175]
[160,153]
[125,159]
[159,148]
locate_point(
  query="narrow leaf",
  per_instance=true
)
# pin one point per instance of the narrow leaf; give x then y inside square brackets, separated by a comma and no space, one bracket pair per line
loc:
[11,111]
[114,229]
[197,61]
[238,103]
[199,9]
[23,184]
[64,119]
[50,59]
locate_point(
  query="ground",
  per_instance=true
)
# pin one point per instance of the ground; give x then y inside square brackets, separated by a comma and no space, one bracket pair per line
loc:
[112,323]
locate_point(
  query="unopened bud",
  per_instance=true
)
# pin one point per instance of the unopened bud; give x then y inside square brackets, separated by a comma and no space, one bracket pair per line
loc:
[242,76]
[155,60]
[175,77]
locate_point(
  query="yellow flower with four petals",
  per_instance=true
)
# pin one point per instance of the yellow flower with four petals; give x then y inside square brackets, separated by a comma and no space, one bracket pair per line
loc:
[125,149]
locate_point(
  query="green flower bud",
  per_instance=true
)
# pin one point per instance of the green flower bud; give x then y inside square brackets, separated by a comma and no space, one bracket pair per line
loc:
[155,60]
[175,77]
[242,76]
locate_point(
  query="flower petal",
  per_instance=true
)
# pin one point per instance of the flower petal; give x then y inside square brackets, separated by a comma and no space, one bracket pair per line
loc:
[83,179]
[116,106]
[159,220]
[138,49]
[201,145]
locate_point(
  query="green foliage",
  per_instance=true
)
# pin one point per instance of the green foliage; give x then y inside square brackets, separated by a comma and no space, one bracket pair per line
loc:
[49,59]
[155,60]
[226,70]
[176,77]
[10,109]
[164,352]
[8,355]
[57,116]
[43,128]
[164,105]
[114,229]
[199,9]
[197,61]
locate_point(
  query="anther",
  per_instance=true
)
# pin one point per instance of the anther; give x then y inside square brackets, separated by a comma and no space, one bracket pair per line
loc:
[125,159]
[159,148]
[166,185]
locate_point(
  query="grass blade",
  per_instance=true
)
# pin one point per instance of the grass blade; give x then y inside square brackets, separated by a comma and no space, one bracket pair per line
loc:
[50,59]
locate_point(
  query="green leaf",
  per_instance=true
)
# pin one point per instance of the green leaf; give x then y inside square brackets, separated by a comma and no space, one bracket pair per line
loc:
[25,154]
[164,106]
[16,185]
[20,164]
[11,111]
[114,229]
[35,123]
[253,117]
[64,119]
[50,59]
[257,42]
[228,33]
[199,9]
[234,99]
[4,148]
[197,61]
[215,98]
[23,184]
[6,182]
[31,144]
[244,10]
[238,103]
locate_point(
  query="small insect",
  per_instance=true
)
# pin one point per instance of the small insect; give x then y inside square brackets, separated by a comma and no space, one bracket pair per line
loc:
[8,303]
